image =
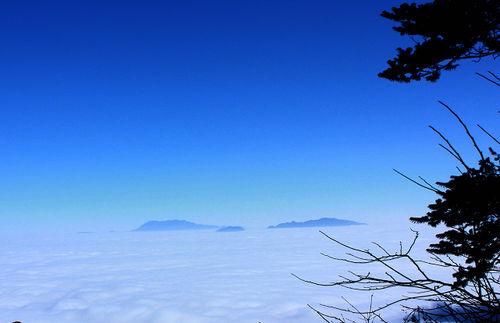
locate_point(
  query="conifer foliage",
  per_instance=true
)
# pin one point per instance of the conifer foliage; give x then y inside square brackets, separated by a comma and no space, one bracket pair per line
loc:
[444,32]
[468,211]
[469,207]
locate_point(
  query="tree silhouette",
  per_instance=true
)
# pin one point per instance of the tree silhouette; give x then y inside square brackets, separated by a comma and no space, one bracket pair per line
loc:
[468,205]
[444,32]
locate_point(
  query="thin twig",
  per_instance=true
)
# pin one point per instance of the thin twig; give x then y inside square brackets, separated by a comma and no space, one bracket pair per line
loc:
[465,128]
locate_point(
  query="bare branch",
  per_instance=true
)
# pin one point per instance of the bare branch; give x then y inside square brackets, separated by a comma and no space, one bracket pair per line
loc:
[465,128]
[489,134]
[430,188]
[488,79]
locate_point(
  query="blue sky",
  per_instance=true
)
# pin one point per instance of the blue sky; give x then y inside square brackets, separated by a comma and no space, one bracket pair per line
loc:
[225,112]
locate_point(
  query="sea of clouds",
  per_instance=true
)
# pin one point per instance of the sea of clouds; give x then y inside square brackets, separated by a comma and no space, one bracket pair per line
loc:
[185,276]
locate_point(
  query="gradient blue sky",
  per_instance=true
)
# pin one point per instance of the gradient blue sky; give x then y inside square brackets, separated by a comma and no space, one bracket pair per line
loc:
[224,112]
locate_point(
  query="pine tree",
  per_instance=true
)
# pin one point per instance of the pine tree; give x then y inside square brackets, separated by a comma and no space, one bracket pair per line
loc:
[445,32]
[469,207]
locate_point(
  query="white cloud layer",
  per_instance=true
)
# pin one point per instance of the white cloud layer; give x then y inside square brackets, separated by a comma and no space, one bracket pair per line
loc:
[180,276]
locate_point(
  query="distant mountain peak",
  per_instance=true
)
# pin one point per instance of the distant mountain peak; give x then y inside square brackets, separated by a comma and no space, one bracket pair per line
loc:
[173,225]
[323,222]
[231,229]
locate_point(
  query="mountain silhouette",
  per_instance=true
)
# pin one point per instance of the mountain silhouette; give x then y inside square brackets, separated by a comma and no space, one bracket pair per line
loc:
[323,222]
[231,229]
[173,225]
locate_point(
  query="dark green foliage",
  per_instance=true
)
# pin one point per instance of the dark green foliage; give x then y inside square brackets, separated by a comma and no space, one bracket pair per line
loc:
[469,206]
[444,32]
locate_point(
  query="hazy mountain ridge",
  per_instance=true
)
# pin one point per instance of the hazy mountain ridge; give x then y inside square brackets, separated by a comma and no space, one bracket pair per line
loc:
[230,229]
[323,222]
[173,225]
[179,225]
